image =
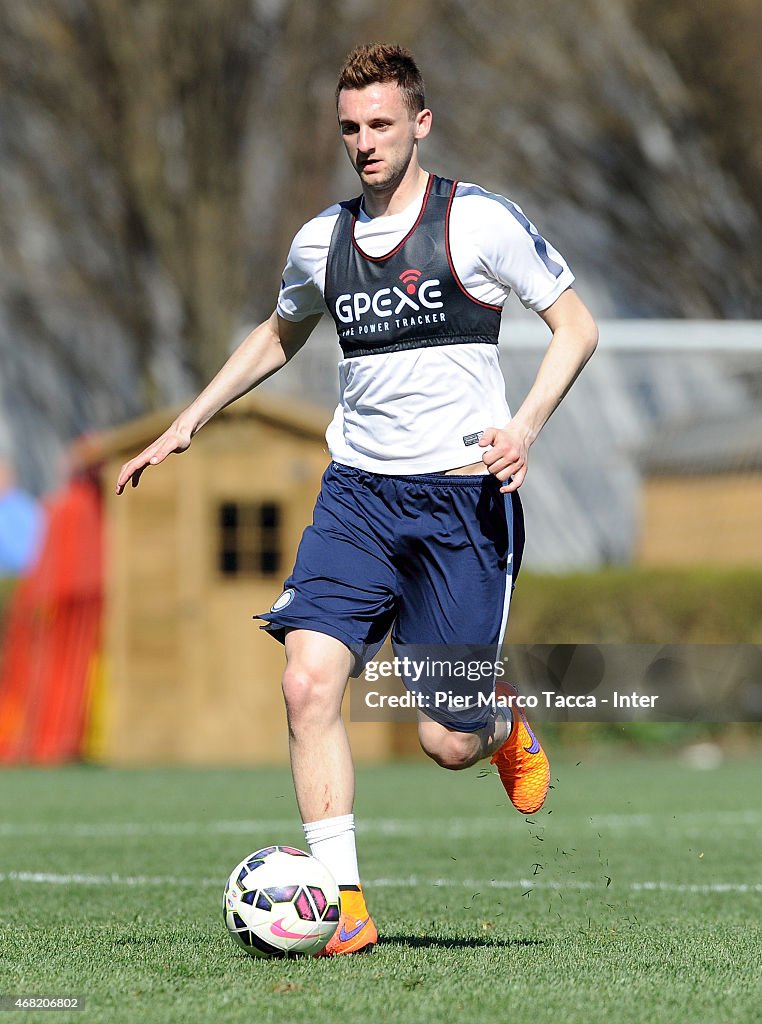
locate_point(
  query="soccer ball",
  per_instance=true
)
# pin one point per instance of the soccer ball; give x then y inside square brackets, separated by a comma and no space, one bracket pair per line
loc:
[281,902]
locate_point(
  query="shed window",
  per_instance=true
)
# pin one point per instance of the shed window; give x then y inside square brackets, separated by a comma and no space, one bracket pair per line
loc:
[249,538]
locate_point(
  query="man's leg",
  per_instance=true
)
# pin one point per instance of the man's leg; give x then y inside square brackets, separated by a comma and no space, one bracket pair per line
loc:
[314,682]
[466,539]
[457,750]
[507,739]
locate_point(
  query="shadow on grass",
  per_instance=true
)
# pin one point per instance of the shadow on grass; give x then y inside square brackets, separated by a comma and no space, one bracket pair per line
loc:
[433,942]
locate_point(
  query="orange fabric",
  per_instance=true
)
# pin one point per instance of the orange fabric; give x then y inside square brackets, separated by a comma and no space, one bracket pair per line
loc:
[53,633]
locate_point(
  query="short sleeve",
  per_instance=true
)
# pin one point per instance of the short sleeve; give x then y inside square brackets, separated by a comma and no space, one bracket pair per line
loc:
[303,281]
[507,247]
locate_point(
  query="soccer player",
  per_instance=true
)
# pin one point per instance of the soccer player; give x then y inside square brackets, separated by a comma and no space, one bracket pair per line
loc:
[418,526]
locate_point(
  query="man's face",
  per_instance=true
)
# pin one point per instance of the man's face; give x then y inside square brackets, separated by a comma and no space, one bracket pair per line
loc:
[380,133]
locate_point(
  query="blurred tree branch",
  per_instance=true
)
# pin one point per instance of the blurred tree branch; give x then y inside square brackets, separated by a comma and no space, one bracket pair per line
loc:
[717,47]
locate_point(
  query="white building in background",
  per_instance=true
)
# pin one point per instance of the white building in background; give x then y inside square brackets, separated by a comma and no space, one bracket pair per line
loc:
[582,493]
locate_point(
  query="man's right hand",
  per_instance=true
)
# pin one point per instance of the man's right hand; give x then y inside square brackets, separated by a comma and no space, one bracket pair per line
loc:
[174,439]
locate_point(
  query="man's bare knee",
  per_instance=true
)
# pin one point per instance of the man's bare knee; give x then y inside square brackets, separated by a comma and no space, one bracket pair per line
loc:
[314,679]
[452,750]
[301,688]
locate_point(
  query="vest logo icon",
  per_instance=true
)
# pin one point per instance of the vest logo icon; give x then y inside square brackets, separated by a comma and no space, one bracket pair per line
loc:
[410,279]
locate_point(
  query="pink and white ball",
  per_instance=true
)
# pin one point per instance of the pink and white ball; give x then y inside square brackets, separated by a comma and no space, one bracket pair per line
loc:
[279,902]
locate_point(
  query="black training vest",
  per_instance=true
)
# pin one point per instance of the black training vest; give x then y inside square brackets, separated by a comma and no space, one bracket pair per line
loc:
[409,298]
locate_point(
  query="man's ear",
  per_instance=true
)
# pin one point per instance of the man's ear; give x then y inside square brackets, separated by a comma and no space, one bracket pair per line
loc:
[422,123]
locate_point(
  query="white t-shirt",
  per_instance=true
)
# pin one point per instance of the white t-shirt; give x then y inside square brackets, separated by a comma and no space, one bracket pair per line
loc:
[418,410]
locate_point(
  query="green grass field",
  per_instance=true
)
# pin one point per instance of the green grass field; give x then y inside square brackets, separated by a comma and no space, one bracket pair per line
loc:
[634,896]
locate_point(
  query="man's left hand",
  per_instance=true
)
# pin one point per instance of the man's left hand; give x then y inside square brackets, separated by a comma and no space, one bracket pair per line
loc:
[506,455]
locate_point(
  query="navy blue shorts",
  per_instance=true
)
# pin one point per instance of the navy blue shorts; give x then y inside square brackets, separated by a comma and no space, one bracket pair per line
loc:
[431,557]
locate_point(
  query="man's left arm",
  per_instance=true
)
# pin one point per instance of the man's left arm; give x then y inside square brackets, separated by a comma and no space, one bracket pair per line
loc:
[575,336]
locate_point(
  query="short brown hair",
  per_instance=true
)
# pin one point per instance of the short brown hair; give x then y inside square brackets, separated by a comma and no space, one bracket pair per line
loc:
[384,62]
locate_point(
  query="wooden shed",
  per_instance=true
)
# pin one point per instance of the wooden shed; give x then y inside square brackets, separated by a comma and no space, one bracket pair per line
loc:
[191,555]
[702,495]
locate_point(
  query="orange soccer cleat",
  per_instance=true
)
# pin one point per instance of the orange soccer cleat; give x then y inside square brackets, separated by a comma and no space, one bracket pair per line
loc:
[521,762]
[356,932]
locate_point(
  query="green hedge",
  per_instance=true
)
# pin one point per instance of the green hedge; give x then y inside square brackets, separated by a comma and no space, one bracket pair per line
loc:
[642,606]
[639,606]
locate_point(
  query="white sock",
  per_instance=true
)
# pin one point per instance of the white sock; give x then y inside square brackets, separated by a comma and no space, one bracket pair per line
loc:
[332,842]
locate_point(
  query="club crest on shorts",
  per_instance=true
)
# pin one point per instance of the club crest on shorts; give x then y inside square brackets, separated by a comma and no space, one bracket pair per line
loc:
[284,600]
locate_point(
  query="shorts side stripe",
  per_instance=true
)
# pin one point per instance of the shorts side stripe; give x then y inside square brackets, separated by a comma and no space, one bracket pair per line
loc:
[508,501]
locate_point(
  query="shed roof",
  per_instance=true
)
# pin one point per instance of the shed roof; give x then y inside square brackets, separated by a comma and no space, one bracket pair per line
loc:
[291,414]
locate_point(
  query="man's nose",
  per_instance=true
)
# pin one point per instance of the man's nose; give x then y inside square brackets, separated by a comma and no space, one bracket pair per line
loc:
[365,140]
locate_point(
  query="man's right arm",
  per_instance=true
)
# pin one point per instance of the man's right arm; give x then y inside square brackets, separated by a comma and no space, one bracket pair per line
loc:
[261,354]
